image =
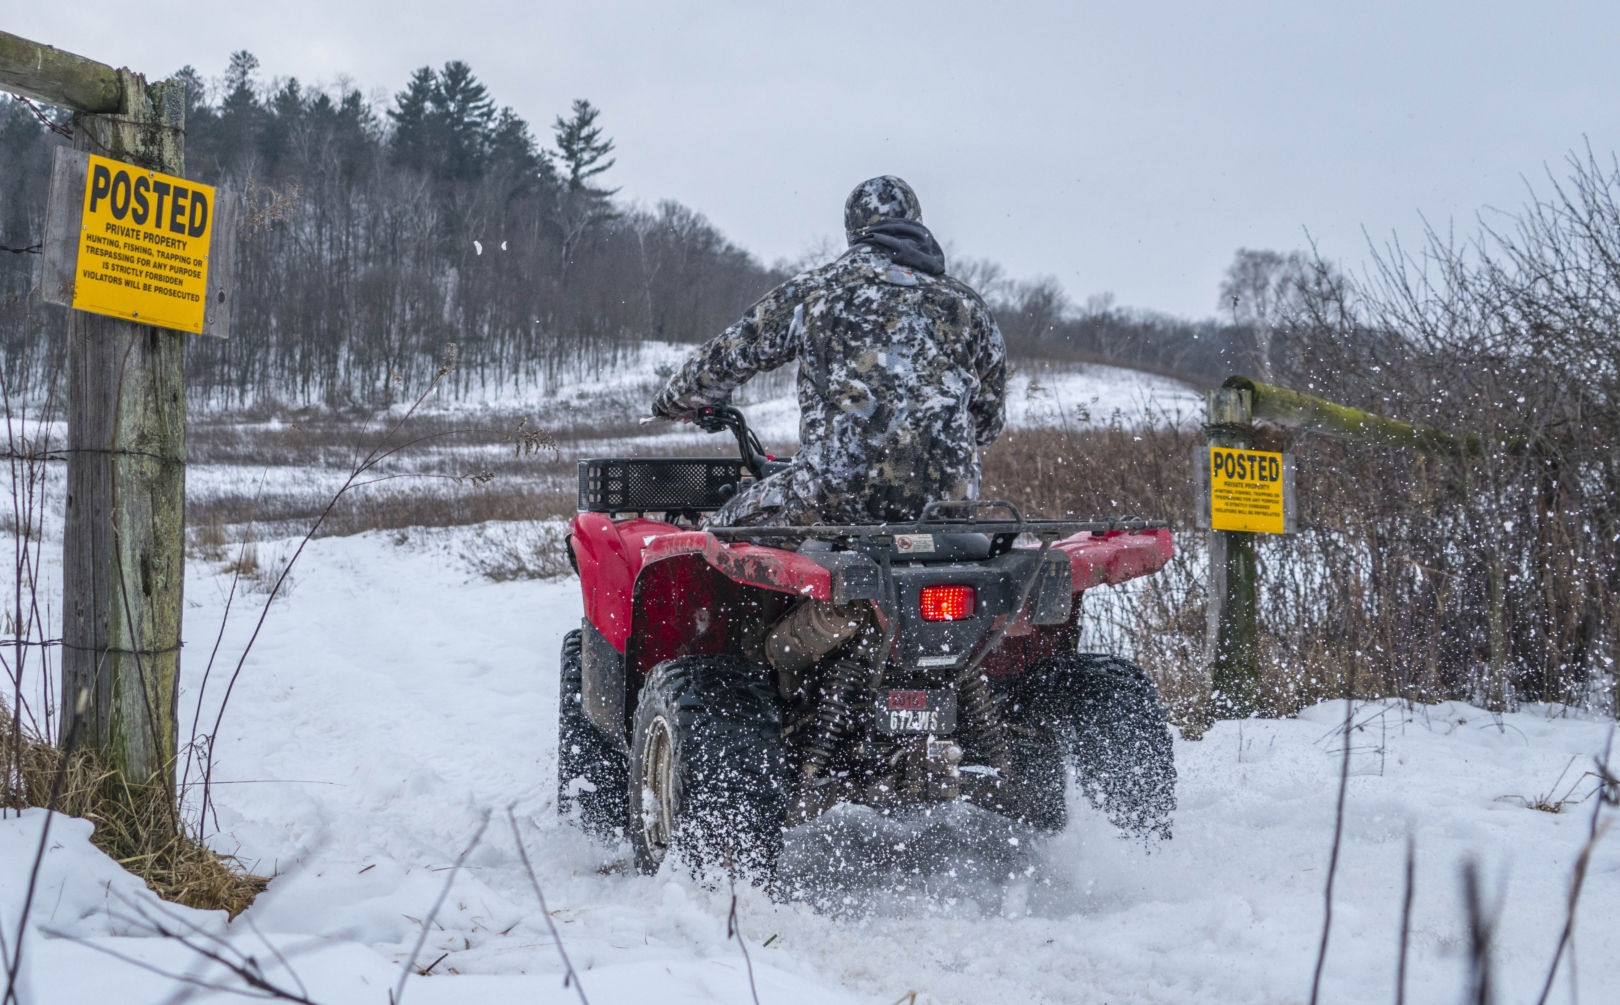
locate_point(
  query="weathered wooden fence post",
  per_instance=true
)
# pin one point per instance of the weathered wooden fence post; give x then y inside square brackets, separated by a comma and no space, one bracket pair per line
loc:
[1234,657]
[123,560]
[1232,638]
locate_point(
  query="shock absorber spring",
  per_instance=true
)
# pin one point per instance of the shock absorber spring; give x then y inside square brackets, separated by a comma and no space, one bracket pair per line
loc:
[981,720]
[841,689]
[981,717]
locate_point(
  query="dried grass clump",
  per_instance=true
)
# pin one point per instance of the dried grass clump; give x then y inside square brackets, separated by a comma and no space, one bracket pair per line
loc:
[135,825]
[537,551]
[208,540]
[246,562]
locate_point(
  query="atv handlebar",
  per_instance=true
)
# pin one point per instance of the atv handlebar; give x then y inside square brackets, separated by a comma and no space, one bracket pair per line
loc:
[719,418]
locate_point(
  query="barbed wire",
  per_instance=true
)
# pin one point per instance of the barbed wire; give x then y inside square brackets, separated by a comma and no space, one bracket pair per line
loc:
[55,127]
[61,454]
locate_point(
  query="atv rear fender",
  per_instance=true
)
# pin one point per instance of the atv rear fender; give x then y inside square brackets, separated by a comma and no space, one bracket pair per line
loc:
[1115,556]
[610,556]
[653,591]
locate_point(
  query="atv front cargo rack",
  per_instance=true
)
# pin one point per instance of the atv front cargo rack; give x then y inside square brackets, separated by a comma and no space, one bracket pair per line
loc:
[642,485]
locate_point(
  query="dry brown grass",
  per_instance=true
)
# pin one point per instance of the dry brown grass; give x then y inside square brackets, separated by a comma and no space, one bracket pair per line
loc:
[208,539]
[1098,473]
[509,481]
[135,825]
[1385,589]
[322,437]
[286,515]
[535,550]
[1094,472]
[1382,592]
[246,563]
[1148,472]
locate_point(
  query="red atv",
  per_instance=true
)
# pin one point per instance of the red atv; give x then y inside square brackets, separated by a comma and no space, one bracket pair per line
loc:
[728,683]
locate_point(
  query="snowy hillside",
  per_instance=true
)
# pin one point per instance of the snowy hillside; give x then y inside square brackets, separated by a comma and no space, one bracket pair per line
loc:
[395,701]
[1039,392]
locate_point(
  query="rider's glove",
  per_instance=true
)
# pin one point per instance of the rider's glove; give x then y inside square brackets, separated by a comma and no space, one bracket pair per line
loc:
[708,420]
[664,408]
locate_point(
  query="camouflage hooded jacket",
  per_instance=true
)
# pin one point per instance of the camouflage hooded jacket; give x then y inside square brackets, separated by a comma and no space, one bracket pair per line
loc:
[902,376]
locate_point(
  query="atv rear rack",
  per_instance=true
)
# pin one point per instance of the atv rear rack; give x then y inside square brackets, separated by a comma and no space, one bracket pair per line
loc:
[935,520]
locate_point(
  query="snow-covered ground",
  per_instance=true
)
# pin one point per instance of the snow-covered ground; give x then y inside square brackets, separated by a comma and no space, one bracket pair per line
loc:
[395,701]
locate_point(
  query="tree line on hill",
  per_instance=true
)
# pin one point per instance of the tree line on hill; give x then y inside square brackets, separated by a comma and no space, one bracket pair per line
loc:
[371,239]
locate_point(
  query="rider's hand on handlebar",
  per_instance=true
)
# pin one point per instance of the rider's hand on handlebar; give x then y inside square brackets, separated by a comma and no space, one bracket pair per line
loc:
[709,420]
[666,416]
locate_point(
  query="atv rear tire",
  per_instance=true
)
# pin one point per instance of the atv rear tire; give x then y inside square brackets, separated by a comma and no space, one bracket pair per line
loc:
[1106,713]
[1035,796]
[707,767]
[590,772]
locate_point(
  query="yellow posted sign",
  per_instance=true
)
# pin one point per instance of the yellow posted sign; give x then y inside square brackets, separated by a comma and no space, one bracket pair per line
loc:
[143,246]
[1247,490]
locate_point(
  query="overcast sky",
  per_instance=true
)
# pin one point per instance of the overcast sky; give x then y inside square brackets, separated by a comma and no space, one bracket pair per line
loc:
[1127,148]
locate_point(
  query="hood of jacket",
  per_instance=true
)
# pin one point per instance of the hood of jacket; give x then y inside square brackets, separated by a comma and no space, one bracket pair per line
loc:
[907,243]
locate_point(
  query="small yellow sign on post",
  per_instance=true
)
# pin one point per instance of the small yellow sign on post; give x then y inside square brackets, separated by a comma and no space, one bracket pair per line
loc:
[143,246]
[1247,490]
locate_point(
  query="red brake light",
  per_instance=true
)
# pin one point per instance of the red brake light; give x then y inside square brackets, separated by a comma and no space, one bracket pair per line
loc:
[947,603]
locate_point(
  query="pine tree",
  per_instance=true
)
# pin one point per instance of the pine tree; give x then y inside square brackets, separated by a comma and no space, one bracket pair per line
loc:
[202,123]
[414,140]
[466,115]
[356,131]
[580,142]
[582,208]
[241,117]
[284,113]
[241,92]
[515,159]
[196,92]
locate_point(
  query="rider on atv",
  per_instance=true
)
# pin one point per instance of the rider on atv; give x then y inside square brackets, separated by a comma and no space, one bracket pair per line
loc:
[902,375]
[851,626]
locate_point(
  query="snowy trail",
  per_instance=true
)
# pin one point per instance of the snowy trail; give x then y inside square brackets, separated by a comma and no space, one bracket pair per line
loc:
[393,700]
[394,705]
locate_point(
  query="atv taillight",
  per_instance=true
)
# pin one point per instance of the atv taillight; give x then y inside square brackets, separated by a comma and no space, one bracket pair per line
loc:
[947,603]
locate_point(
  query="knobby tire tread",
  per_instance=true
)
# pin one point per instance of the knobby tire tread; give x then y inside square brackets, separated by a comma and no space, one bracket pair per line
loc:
[730,762]
[584,753]
[1105,712]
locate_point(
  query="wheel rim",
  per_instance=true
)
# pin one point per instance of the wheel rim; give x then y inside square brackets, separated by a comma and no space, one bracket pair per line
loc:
[658,787]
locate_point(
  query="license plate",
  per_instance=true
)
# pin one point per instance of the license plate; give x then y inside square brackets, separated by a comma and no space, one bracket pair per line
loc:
[917,711]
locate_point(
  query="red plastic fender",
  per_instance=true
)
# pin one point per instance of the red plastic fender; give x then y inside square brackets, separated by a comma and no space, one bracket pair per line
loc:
[751,564]
[610,558]
[1114,557]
